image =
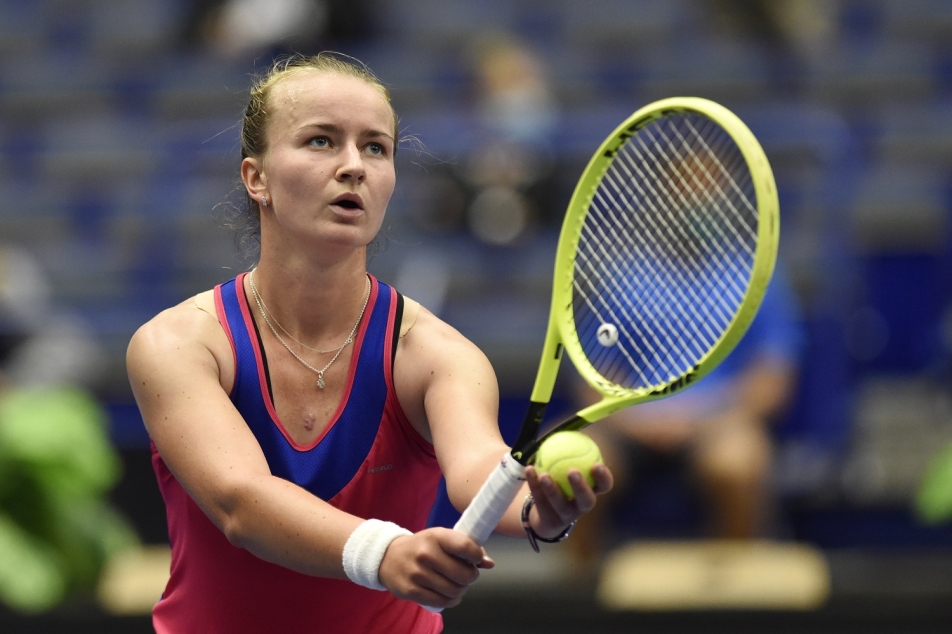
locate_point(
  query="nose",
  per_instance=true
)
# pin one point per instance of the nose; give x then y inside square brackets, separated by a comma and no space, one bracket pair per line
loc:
[351,167]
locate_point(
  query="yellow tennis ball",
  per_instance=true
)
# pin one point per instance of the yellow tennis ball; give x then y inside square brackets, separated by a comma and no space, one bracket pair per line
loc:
[568,450]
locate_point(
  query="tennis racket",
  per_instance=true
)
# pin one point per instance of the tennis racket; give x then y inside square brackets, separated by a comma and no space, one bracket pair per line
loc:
[665,253]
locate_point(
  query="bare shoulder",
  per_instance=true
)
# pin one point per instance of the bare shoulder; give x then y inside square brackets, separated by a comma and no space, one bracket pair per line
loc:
[185,323]
[181,335]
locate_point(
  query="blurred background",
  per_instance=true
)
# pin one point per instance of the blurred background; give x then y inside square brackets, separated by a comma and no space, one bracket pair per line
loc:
[119,124]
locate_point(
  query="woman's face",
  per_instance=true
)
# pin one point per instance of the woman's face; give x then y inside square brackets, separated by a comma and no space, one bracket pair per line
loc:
[328,171]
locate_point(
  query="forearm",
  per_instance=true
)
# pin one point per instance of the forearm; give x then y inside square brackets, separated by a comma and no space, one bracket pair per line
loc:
[282,523]
[464,482]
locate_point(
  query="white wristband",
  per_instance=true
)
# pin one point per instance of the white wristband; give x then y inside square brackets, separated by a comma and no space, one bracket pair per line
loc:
[365,549]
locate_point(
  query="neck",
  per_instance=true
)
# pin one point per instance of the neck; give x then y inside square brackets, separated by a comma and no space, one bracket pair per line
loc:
[318,309]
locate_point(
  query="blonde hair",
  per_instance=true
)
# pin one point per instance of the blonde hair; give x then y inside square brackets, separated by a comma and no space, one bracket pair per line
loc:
[257,114]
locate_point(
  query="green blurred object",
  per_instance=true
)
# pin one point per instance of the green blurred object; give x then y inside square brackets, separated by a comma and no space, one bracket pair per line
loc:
[57,529]
[933,503]
[30,576]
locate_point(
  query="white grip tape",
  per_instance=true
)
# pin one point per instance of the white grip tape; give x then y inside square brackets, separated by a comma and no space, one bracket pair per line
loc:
[484,513]
[481,517]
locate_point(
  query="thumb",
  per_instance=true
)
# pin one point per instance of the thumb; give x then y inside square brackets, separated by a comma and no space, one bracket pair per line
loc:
[487,563]
[463,547]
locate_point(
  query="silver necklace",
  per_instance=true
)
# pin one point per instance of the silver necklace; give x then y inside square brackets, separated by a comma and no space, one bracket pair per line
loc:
[265,311]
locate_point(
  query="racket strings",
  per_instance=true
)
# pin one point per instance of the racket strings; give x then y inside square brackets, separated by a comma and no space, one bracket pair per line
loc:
[736,160]
[666,251]
[712,190]
[663,158]
[633,175]
[643,342]
[624,287]
[687,279]
[701,233]
[677,285]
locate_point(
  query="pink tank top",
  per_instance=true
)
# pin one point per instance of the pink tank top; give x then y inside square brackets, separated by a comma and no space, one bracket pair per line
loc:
[369,462]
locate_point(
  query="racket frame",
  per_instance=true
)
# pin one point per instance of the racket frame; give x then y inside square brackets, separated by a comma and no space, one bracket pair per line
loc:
[561,333]
[488,507]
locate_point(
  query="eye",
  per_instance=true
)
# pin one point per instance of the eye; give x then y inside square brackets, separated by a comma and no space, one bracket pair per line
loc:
[319,142]
[376,149]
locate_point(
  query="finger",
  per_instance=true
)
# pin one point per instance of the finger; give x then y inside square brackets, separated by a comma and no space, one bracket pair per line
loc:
[544,489]
[462,547]
[532,477]
[487,561]
[446,588]
[604,480]
[456,571]
[551,502]
[445,575]
[435,598]
[546,492]
[584,496]
[462,558]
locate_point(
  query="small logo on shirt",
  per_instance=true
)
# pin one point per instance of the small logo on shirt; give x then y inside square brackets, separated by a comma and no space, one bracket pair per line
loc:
[386,467]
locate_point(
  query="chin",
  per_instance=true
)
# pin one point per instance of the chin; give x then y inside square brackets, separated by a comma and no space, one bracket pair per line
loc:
[352,237]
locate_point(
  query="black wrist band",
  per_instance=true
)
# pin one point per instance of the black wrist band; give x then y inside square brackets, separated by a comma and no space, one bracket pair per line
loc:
[534,538]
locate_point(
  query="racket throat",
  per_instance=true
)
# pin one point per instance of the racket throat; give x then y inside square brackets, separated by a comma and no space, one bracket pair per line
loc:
[530,428]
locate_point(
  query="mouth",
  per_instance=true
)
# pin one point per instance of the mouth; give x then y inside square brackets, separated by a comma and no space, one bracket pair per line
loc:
[350,202]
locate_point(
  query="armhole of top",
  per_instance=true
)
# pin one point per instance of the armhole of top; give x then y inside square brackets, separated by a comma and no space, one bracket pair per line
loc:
[397,325]
[258,341]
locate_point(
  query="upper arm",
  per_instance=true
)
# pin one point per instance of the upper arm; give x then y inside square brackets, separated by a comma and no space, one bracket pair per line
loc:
[448,389]
[174,364]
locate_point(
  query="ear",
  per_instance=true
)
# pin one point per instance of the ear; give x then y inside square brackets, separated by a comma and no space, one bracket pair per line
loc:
[254,179]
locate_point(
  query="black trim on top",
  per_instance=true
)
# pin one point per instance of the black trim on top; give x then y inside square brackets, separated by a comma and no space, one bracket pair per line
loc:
[397,322]
[264,355]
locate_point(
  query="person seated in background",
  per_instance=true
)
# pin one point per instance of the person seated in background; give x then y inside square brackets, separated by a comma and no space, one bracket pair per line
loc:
[720,430]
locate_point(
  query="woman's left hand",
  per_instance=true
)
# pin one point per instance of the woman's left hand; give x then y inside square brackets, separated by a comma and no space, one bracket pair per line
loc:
[553,511]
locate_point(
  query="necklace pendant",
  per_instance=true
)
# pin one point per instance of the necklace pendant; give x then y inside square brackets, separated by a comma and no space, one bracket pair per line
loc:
[320,380]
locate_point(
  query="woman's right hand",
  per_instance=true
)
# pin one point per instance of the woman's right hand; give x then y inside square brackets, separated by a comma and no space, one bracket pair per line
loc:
[434,567]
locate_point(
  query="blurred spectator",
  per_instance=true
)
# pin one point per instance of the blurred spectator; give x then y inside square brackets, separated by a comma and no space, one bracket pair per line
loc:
[508,173]
[236,28]
[806,27]
[796,34]
[40,346]
[718,430]
[506,180]
[515,101]
[506,185]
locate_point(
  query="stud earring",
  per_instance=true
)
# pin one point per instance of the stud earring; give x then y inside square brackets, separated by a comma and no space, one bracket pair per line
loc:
[264,201]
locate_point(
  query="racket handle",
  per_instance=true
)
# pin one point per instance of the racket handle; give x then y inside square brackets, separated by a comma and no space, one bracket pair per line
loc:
[481,517]
[483,514]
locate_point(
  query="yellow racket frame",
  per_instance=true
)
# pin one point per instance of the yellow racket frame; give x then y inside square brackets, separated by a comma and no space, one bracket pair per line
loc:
[561,328]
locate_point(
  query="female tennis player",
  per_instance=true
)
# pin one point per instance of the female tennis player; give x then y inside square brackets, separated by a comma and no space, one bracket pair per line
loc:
[302,413]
